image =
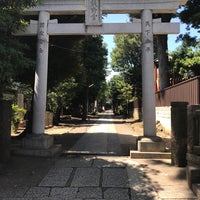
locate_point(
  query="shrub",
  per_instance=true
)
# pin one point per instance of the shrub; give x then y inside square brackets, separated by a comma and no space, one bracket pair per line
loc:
[17,116]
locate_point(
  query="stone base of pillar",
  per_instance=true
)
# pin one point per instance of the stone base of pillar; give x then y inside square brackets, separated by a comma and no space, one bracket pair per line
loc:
[150,147]
[38,145]
[151,144]
[38,141]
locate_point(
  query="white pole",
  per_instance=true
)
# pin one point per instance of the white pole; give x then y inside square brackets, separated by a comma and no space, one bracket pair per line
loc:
[40,87]
[148,91]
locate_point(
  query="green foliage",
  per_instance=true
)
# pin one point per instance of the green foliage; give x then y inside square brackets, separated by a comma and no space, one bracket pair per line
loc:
[17,113]
[63,59]
[104,93]
[191,14]
[61,95]
[17,116]
[126,59]
[121,94]
[12,59]
[186,61]
[91,58]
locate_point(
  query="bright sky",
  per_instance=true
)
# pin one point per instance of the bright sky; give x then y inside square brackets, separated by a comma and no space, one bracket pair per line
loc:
[120,18]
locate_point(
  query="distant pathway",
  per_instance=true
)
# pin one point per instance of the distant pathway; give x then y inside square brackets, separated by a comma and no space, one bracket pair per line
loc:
[101,138]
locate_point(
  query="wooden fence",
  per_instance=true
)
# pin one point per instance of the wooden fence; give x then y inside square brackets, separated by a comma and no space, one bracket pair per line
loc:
[187,91]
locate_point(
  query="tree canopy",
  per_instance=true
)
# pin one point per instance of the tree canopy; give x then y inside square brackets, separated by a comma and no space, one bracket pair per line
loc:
[92,57]
[126,59]
[185,61]
[191,14]
[12,57]
[120,94]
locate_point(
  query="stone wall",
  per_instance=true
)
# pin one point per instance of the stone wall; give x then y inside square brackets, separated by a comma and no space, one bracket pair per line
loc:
[163,115]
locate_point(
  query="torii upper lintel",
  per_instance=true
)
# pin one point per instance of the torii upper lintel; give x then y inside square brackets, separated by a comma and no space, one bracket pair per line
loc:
[59,7]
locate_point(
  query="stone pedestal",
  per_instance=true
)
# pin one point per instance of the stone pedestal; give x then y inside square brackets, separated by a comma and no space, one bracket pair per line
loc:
[41,145]
[150,147]
[36,141]
[151,144]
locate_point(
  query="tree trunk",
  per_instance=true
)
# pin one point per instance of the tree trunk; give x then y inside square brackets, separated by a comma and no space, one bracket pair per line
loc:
[163,61]
[163,55]
[85,104]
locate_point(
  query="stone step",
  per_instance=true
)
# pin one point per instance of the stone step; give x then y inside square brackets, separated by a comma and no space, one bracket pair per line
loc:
[196,150]
[149,155]
[50,152]
[196,189]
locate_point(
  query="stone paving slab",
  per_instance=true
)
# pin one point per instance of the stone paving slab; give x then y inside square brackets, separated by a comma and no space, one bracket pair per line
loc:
[64,192]
[116,193]
[57,177]
[15,192]
[90,192]
[38,192]
[115,177]
[86,177]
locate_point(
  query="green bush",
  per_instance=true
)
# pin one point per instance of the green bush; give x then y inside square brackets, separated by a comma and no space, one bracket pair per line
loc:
[17,116]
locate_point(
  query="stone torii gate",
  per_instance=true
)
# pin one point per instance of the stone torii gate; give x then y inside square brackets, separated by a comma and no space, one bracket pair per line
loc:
[93,10]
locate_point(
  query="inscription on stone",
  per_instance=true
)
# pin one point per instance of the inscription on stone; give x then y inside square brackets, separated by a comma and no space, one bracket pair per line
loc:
[148,35]
[93,13]
[41,36]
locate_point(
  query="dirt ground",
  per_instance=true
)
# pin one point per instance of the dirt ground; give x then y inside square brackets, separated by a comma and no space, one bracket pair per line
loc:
[137,126]
[70,130]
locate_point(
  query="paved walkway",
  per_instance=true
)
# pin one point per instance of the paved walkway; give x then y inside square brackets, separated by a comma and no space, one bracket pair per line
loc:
[99,173]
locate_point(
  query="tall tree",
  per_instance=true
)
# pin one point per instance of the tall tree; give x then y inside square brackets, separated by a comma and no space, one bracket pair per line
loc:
[12,58]
[92,56]
[126,59]
[162,53]
[120,94]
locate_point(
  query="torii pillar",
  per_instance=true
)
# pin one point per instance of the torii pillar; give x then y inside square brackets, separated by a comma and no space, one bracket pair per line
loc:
[148,92]
[149,142]
[38,143]
[40,87]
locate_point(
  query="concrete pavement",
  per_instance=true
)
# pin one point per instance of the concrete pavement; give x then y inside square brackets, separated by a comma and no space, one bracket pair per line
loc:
[98,173]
